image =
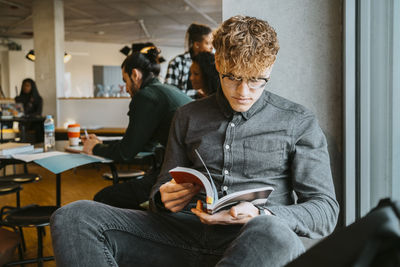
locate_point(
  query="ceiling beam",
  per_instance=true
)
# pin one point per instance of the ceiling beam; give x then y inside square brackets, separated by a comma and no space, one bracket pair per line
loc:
[146,32]
[111,23]
[202,13]
[80,12]
[15,25]
[11,3]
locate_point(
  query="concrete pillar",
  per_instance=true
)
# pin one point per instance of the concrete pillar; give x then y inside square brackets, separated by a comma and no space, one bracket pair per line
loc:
[48,33]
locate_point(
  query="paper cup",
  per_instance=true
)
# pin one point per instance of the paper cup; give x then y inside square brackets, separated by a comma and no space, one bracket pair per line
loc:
[74,131]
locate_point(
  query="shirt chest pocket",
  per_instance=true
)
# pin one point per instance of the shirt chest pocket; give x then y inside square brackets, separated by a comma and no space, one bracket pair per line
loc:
[263,158]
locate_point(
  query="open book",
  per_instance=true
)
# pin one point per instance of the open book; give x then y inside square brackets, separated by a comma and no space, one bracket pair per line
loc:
[213,204]
[15,148]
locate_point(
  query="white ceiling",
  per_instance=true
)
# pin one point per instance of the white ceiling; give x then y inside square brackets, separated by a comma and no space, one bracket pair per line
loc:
[163,22]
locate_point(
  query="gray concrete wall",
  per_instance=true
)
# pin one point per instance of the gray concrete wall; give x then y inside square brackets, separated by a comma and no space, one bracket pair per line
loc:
[308,69]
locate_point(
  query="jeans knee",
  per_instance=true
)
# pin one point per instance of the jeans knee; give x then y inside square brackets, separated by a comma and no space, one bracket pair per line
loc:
[273,230]
[68,215]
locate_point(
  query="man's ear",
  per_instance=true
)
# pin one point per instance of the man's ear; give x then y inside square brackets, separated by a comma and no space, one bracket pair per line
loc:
[136,75]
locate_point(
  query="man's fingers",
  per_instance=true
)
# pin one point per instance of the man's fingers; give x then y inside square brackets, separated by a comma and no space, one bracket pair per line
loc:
[174,204]
[172,187]
[170,196]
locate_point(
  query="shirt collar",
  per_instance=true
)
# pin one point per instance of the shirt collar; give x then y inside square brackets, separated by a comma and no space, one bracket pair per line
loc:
[228,111]
[149,81]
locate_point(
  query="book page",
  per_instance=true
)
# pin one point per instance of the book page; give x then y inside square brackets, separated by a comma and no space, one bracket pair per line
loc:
[245,195]
[188,175]
[35,156]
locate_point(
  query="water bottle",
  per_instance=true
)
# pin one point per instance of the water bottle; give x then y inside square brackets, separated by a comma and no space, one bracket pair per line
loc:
[49,135]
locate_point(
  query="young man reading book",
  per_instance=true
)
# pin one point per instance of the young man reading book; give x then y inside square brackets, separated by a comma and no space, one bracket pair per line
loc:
[247,138]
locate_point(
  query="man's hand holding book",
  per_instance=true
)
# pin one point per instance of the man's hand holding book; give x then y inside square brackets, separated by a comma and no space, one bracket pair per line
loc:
[238,214]
[176,196]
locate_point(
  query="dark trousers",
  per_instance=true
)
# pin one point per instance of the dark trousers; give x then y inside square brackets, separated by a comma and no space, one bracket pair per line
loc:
[128,195]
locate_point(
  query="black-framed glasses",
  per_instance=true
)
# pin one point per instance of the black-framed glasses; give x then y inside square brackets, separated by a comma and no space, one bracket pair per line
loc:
[253,83]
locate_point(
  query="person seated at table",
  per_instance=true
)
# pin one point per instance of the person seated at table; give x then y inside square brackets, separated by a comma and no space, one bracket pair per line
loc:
[249,138]
[203,74]
[150,113]
[198,39]
[30,98]
[33,104]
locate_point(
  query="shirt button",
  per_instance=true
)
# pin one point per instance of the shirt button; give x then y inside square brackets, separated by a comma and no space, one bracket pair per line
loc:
[232,124]
[226,172]
[225,188]
[227,146]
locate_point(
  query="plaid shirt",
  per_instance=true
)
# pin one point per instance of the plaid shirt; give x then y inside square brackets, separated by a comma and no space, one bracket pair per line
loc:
[178,73]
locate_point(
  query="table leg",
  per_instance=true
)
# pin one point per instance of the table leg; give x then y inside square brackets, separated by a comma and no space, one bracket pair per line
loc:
[114,173]
[23,131]
[58,190]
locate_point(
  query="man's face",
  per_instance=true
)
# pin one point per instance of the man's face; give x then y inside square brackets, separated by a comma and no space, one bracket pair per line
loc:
[239,94]
[128,82]
[131,86]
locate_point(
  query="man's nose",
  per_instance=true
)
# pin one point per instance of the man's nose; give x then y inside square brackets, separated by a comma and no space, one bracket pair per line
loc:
[243,88]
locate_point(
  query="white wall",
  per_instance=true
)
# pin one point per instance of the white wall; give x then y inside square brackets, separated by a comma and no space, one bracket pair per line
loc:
[15,67]
[85,55]
[80,67]
[20,68]
[94,112]
[79,70]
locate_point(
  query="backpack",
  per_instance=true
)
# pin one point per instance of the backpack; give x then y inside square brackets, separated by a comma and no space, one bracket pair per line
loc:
[372,241]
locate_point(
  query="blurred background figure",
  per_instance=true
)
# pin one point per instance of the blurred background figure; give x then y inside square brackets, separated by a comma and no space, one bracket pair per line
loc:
[203,74]
[30,98]
[198,39]
[151,110]
[32,102]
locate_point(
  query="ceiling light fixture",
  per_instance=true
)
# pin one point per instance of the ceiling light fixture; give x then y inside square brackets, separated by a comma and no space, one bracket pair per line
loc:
[31,56]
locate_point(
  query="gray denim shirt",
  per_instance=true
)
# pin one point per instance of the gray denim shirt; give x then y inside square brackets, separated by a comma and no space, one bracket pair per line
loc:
[275,143]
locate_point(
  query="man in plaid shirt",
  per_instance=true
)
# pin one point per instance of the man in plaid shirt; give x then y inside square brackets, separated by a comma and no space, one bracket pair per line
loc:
[199,39]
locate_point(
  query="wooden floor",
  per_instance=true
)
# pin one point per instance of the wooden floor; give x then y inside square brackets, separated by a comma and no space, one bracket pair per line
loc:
[81,183]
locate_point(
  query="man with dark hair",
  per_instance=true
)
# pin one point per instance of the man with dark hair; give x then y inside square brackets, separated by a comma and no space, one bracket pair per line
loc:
[248,138]
[150,113]
[199,39]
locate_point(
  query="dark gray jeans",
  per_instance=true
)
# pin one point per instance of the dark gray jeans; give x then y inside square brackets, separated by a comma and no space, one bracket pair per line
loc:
[87,233]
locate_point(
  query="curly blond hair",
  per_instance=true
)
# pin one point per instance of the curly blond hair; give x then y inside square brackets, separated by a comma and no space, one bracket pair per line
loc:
[245,45]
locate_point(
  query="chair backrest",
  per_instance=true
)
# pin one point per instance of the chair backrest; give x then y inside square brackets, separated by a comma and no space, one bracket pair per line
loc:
[372,241]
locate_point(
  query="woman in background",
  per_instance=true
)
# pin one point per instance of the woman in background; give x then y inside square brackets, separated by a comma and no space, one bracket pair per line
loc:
[30,98]
[204,75]
[198,39]
[32,102]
